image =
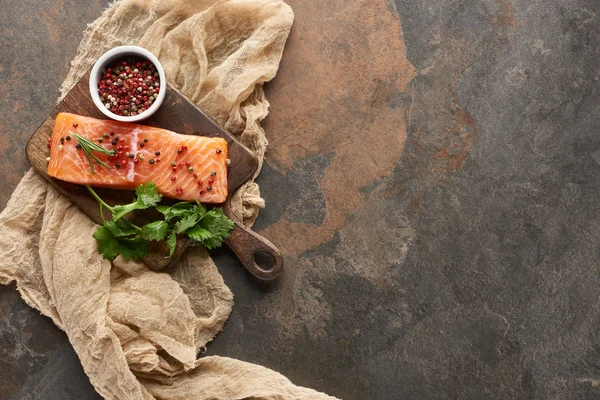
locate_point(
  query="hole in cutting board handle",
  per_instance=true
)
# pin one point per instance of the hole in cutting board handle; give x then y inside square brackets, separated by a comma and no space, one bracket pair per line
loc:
[264,261]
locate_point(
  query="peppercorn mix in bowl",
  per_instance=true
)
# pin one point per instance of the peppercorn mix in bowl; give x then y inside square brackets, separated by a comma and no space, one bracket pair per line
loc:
[127,84]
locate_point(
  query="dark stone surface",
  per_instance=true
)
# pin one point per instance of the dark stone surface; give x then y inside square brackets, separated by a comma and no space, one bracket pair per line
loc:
[464,266]
[39,38]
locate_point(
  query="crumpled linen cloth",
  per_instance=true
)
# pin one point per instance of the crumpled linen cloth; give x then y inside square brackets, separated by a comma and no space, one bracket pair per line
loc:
[138,332]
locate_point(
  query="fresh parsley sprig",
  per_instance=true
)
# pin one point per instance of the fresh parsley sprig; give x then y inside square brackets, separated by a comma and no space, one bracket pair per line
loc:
[119,236]
[89,147]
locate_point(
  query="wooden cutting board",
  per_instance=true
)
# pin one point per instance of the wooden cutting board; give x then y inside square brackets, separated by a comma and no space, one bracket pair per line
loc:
[178,114]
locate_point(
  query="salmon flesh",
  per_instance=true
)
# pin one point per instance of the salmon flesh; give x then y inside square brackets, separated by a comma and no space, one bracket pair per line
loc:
[184,167]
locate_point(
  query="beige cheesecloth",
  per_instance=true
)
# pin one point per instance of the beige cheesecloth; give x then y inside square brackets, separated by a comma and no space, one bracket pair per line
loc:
[137,332]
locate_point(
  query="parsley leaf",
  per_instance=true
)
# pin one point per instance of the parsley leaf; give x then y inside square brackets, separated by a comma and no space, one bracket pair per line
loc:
[119,229]
[111,243]
[156,230]
[217,224]
[176,211]
[199,210]
[136,248]
[146,196]
[186,223]
[147,193]
[172,243]
[199,234]
[211,243]
[107,243]
[122,237]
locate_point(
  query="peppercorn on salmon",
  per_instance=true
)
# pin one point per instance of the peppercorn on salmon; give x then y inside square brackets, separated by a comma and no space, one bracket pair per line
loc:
[124,155]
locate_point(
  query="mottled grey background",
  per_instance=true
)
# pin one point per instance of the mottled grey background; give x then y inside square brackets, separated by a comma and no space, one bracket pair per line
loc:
[469,270]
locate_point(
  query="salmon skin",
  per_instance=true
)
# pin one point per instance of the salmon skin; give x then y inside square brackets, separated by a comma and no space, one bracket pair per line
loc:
[184,167]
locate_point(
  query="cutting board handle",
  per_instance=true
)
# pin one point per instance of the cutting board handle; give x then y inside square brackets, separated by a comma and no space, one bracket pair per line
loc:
[246,244]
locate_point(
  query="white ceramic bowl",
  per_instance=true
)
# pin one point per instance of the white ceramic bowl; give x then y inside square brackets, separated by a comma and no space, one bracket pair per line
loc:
[110,56]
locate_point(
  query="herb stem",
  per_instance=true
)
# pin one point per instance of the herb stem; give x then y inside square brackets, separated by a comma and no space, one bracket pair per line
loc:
[132,225]
[102,213]
[102,203]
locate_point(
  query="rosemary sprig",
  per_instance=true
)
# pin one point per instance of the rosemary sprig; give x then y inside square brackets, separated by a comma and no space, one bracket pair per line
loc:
[89,147]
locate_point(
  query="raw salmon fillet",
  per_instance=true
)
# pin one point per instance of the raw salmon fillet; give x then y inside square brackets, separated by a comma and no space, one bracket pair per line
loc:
[184,167]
